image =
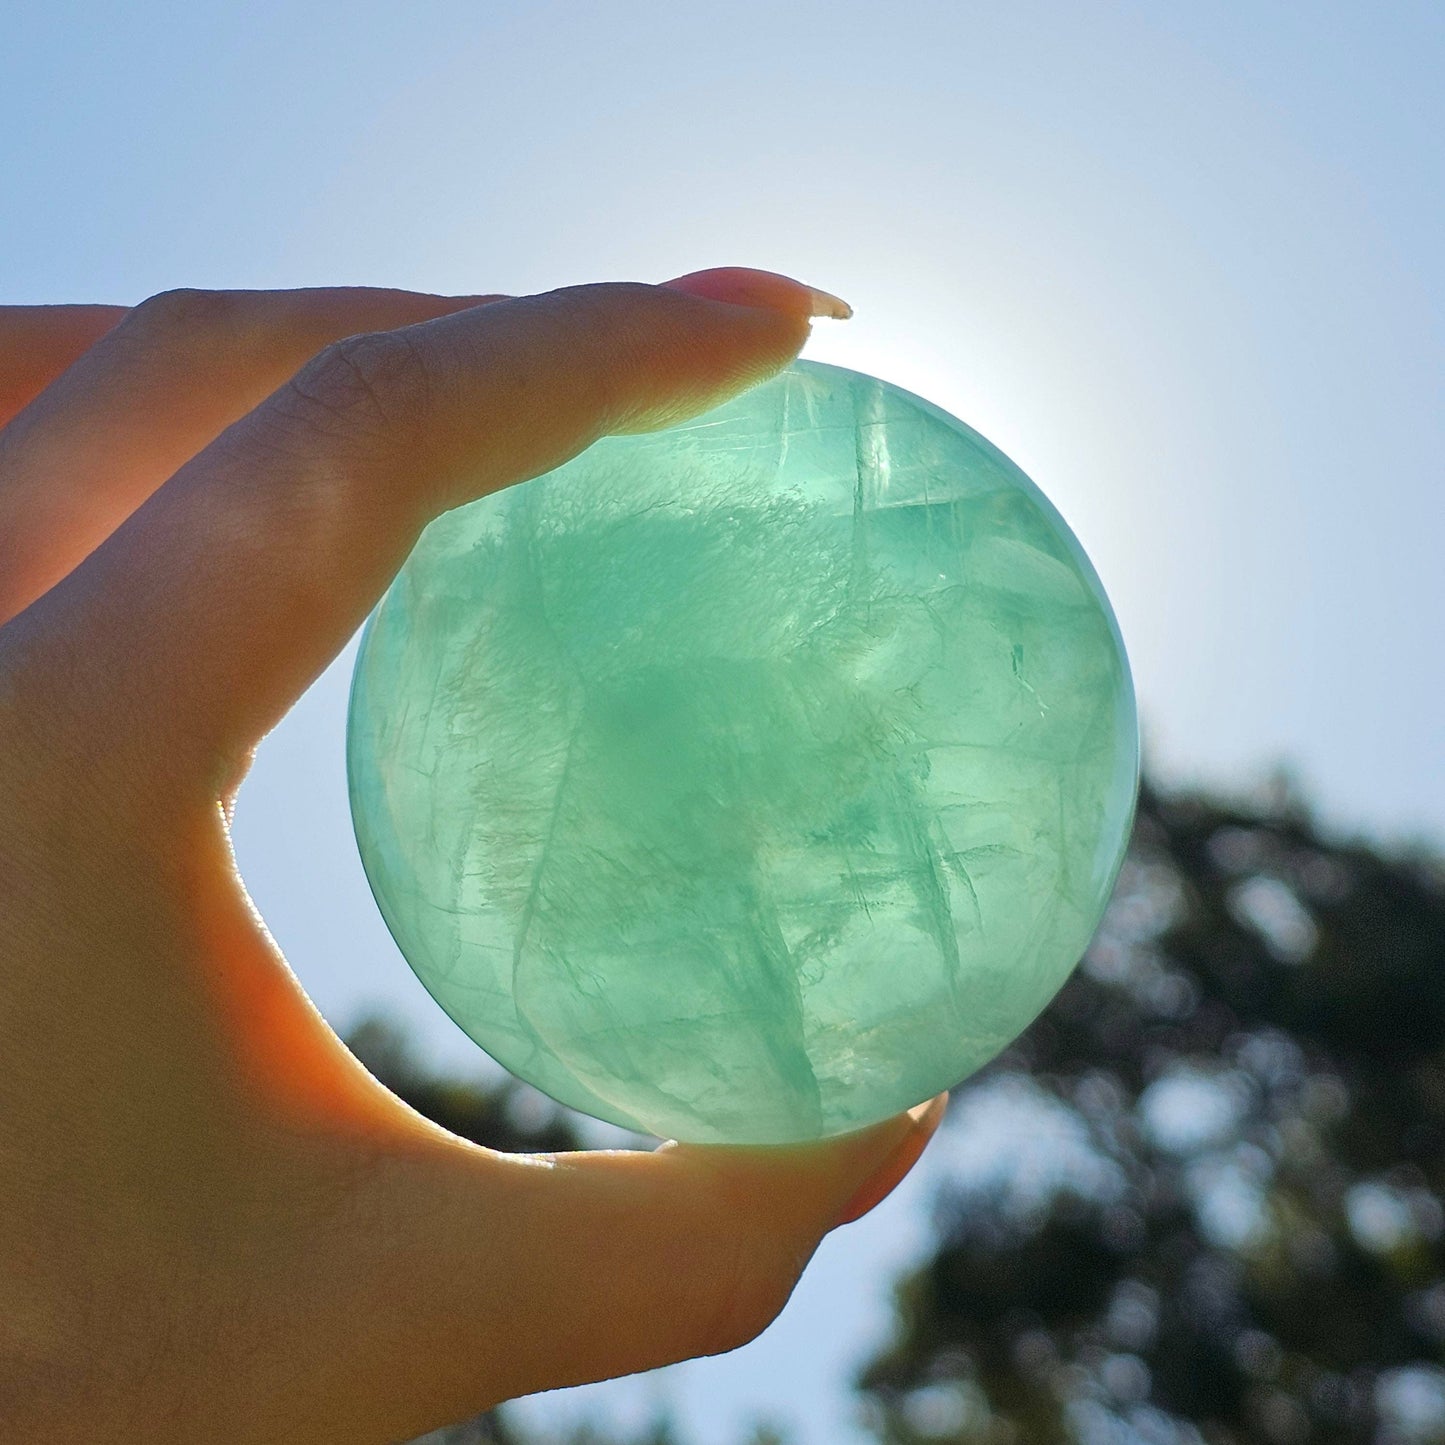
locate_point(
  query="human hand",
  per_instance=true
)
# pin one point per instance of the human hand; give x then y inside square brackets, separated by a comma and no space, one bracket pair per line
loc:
[215,1223]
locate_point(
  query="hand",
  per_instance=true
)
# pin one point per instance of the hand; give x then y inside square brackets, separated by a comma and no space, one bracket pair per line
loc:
[214,1224]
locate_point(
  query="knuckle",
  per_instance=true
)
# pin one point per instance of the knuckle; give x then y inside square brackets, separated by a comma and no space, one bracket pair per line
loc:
[602,320]
[373,387]
[189,311]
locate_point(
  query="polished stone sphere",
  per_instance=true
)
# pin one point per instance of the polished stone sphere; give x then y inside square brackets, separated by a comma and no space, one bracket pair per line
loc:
[753,780]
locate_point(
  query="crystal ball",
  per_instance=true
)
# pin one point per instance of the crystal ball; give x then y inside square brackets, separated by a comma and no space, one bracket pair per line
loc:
[752,780]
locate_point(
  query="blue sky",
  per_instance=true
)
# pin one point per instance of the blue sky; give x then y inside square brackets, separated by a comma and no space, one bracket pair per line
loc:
[1182,262]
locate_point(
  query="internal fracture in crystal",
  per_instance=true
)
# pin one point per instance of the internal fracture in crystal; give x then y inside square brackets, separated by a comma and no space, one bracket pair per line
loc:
[753,780]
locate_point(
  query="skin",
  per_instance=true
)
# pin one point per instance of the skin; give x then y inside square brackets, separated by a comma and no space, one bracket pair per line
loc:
[214,1224]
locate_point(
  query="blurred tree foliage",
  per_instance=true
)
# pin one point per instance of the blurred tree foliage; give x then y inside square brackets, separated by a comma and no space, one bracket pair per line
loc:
[1218,1216]
[1200,1199]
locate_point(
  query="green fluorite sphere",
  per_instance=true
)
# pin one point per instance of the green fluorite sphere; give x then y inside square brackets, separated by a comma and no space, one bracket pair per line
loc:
[753,780]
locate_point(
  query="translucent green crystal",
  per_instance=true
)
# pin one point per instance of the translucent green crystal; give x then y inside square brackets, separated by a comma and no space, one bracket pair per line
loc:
[752,780]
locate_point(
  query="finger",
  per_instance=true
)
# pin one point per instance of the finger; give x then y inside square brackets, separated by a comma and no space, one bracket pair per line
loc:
[149,394]
[743,286]
[37,343]
[692,1250]
[482,1278]
[202,618]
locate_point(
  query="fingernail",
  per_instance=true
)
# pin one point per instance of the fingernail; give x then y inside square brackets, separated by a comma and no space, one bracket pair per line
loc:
[827,304]
[743,286]
[892,1171]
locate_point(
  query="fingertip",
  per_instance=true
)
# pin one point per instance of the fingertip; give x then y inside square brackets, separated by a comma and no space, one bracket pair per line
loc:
[925,1119]
[830,1181]
[744,286]
[929,1114]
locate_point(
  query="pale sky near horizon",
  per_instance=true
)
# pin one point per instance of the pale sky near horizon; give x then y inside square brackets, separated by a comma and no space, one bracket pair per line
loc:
[1183,263]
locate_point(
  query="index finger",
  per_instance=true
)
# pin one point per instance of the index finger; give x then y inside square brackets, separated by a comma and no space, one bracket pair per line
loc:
[185,636]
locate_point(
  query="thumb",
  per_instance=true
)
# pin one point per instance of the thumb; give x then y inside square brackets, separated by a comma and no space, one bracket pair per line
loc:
[507,1274]
[646,1259]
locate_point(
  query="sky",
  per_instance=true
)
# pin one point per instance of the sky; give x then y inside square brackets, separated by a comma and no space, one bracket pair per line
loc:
[1182,262]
